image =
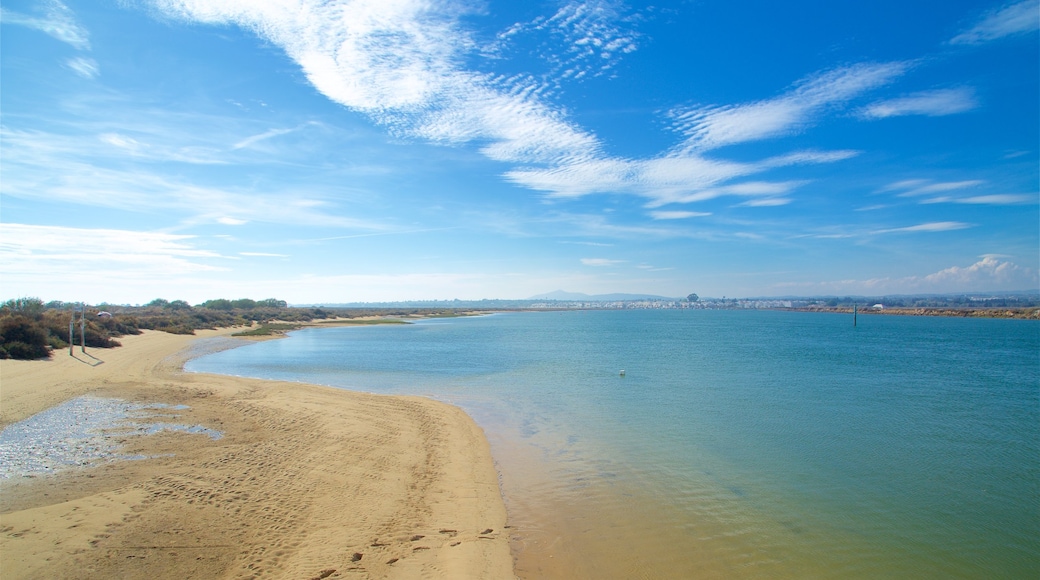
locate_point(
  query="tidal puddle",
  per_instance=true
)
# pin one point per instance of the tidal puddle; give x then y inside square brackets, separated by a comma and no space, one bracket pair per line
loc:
[84,431]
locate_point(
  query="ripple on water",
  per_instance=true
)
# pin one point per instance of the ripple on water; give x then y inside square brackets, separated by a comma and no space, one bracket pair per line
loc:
[81,432]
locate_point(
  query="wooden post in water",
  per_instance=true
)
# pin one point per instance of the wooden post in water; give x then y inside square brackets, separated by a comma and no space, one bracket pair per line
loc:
[854,313]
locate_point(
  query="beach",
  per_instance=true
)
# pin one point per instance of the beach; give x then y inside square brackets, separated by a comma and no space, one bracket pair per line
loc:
[304,481]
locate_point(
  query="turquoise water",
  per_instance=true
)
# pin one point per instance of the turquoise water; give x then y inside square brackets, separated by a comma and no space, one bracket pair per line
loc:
[737,444]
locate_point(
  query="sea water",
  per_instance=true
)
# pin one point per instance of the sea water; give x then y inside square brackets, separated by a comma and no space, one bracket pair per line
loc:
[736,444]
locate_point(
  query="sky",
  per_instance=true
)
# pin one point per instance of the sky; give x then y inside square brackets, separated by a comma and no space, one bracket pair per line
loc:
[383,150]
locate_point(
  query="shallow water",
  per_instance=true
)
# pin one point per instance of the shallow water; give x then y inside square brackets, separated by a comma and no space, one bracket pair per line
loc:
[82,432]
[736,445]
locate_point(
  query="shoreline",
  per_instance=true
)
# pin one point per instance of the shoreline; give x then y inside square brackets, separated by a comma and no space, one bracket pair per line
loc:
[306,482]
[1016,313]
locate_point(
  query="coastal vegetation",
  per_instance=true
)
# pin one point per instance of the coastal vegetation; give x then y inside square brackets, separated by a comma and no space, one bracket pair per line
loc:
[32,329]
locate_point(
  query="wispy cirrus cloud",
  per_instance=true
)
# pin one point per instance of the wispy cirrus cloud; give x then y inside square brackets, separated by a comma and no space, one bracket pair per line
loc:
[751,189]
[269,134]
[932,192]
[930,103]
[601,262]
[146,191]
[767,202]
[84,67]
[1012,19]
[677,215]
[995,199]
[57,21]
[114,265]
[401,63]
[917,187]
[999,199]
[586,38]
[708,128]
[53,250]
[926,227]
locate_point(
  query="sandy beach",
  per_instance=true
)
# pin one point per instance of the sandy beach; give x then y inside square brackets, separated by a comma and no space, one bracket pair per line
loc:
[305,482]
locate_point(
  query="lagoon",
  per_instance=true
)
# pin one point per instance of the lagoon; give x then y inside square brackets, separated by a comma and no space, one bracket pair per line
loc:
[757,444]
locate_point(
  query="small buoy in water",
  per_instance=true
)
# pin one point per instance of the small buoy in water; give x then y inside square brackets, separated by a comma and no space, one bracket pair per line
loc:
[622,372]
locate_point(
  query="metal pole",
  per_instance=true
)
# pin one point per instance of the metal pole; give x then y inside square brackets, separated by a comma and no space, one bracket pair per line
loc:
[83,329]
[72,323]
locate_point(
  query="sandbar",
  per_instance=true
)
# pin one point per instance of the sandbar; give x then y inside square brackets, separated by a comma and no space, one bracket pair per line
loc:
[305,482]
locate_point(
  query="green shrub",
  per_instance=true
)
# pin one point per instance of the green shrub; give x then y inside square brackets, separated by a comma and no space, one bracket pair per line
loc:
[23,339]
[22,351]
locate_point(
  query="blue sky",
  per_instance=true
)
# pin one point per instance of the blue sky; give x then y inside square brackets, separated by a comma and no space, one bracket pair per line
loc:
[405,149]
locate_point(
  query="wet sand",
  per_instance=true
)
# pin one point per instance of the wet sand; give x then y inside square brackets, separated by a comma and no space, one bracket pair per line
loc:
[306,481]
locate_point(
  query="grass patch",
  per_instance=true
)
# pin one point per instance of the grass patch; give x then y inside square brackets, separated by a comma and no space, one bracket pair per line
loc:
[367,322]
[268,329]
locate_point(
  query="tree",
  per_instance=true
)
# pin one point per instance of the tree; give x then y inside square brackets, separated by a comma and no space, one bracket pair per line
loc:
[272,303]
[26,306]
[693,298]
[218,304]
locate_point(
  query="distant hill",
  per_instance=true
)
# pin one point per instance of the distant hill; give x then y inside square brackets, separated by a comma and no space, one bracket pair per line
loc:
[578,296]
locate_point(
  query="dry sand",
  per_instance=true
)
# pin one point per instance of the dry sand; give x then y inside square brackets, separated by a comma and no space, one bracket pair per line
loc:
[307,482]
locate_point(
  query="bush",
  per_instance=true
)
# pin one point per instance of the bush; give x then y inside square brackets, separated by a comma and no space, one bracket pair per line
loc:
[22,351]
[23,339]
[23,306]
[218,304]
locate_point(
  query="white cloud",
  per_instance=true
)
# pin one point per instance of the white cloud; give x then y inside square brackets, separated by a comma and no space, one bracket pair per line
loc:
[808,156]
[69,169]
[996,199]
[47,149]
[84,67]
[254,139]
[58,22]
[742,189]
[263,255]
[712,127]
[120,141]
[401,63]
[922,187]
[989,270]
[593,38]
[926,227]
[999,199]
[600,262]
[987,275]
[767,202]
[904,184]
[1017,18]
[677,215]
[931,103]
[916,187]
[56,253]
[230,221]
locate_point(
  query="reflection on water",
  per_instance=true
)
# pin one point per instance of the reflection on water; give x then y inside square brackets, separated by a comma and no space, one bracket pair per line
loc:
[737,444]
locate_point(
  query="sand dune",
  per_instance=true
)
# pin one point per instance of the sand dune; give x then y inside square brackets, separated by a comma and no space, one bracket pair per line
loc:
[307,481]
